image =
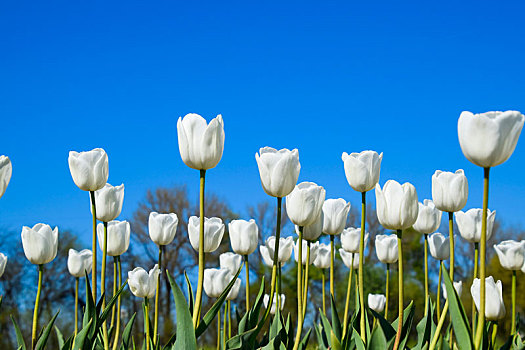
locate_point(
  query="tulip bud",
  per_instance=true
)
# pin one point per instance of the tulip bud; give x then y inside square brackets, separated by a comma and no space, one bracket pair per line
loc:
[428,217]
[279,170]
[108,202]
[347,258]
[143,284]
[162,227]
[458,286]
[234,292]
[469,224]
[304,203]
[118,237]
[216,281]
[89,169]
[335,213]
[511,254]
[449,190]
[265,254]
[377,302]
[285,248]
[200,144]
[350,239]
[386,248]
[213,232]
[244,236]
[397,205]
[40,243]
[494,306]
[362,169]
[230,261]
[273,309]
[322,261]
[3,263]
[488,139]
[6,169]
[439,246]
[313,231]
[79,263]
[313,251]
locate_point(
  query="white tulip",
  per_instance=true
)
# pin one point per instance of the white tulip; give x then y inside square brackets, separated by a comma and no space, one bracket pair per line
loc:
[273,309]
[213,232]
[386,248]
[313,251]
[458,286]
[118,237]
[397,205]
[108,202]
[285,248]
[347,258]
[439,246]
[79,263]
[511,254]
[488,139]
[200,144]
[230,261]
[40,243]
[89,169]
[304,203]
[143,284]
[469,224]
[428,217]
[265,254]
[216,281]
[162,227]
[350,239]
[449,190]
[494,306]
[377,302]
[234,292]
[322,261]
[6,169]
[335,213]
[313,231]
[362,169]
[3,263]
[244,236]
[279,170]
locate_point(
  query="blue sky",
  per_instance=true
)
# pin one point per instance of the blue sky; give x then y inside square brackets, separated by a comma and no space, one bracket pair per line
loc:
[323,77]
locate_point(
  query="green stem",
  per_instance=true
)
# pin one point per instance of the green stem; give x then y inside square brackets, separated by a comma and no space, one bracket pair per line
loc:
[438,298]
[76,306]
[37,304]
[305,289]
[513,324]
[437,332]
[224,328]
[275,261]
[157,297]
[198,297]
[279,286]
[116,260]
[229,319]
[146,322]
[332,257]
[219,330]
[401,292]
[387,290]
[323,279]
[361,262]
[103,285]
[426,274]
[247,268]
[94,249]
[348,291]
[494,333]
[114,290]
[473,305]
[482,253]
[451,240]
[299,290]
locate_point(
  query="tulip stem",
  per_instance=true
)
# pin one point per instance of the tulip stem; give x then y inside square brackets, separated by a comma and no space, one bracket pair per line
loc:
[219,329]
[37,304]
[426,274]
[157,297]
[76,306]
[305,289]
[437,332]
[114,291]
[247,268]
[198,297]
[323,282]
[476,258]
[513,324]
[494,333]
[438,298]
[146,322]
[299,290]
[387,290]
[361,262]
[451,239]
[116,261]
[103,285]
[229,319]
[279,286]
[94,249]
[224,327]
[482,253]
[401,292]
[348,291]
[332,257]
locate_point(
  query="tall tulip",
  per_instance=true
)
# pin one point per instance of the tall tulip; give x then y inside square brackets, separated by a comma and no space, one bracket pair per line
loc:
[313,252]
[397,209]
[377,302]
[495,310]
[323,261]
[212,237]
[79,264]
[350,239]
[40,245]
[440,250]
[335,214]
[265,255]
[215,282]
[230,261]
[487,140]
[273,308]
[3,263]
[90,172]
[118,237]
[6,169]
[387,252]
[313,231]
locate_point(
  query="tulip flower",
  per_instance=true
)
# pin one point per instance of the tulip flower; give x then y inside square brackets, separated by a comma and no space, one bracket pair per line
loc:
[213,232]
[108,202]
[313,231]
[279,170]
[335,214]
[458,286]
[79,264]
[350,239]
[362,169]
[265,254]
[234,292]
[322,261]
[273,309]
[387,252]
[3,263]
[351,260]
[469,224]
[449,190]
[440,250]
[6,169]
[304,203]
[118,234]
[495,310]
[230,261]
[313,252]
[89,169]
[162,227]
[216,281]
[377,302]
[285,248]
[244,236]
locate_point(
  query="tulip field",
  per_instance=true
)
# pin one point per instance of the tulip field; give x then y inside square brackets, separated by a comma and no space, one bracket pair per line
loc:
[261,321]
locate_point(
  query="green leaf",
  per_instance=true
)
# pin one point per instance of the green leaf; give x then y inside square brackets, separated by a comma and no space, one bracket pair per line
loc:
[126,334]
[19,337]
[304,341]
[190,293]
[426,327]
[388,330]
[408,317]
[377,340]
[81,336]
[185,332]
[358,341]
[60,337]
[110,304]
[41,343]
[336,324]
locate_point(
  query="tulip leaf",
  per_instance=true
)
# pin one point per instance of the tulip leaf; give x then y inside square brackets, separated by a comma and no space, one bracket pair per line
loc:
[110,304]
[190,292]
[377,340]
[387,328]
[185,332]
[358,341]
[336,324]
[81,336]
[42,340]
[322,342]
[460,322]
[126,335]
[426,327]
[304,342]
[60,338]
[19,337]
[408,317]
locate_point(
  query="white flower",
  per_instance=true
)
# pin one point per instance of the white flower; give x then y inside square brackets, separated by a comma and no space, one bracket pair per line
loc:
[216,281]
[230,261]
[162,227]
[458,286]
[279,170]
[3,263]
[213,232]
[377,302]
[244,236]
[350,239]
[314,230]
[428,217]
[362,169]
[118,237]
[494,306]
[234,292]
[108,202]
[89,169]
[335,213]
[79,263]
[511,254]
[40,243]
[143,284]
[386,248]
[322,261]
[439,246]
[265,254]
[397,205]
[313,251]
[304,203]
[6,169]
[273,309]
[200,144]
[347,258]
[469,224]
[449,190]
[285,248]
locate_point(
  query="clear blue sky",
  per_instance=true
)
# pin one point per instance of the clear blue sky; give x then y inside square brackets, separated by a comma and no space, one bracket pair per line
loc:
[323,77]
